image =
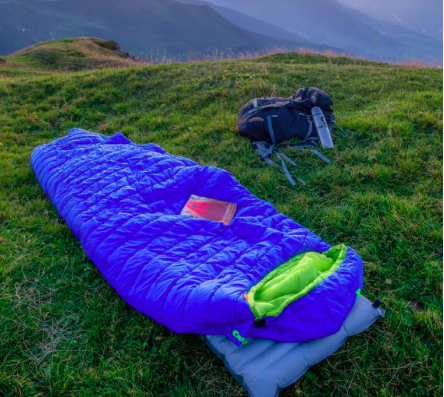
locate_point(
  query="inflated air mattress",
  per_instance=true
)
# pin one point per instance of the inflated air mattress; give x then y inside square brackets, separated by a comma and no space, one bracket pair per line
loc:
[262,276]
[265,367]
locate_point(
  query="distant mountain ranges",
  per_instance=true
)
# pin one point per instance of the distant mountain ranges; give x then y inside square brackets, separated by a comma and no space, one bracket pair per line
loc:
[331,22]
[143,27]
[421,16]
[195,28]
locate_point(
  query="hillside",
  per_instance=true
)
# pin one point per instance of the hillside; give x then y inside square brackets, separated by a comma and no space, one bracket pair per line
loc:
[64,331]
[143,27]
[66,55]
[252,24]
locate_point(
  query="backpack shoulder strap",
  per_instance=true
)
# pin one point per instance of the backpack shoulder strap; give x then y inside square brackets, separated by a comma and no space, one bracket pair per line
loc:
[321,156]
[306,146]
[264,151]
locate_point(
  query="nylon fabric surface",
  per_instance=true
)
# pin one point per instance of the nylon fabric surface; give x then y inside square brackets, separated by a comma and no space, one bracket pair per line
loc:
[123,202]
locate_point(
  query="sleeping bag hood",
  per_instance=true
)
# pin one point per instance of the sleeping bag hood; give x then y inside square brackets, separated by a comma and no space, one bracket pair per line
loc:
[261,276]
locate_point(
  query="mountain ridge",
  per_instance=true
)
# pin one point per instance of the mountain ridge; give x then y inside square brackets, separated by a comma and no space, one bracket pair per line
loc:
[198,29]
[332,23]
[141,26]
[250,23]
[424,17]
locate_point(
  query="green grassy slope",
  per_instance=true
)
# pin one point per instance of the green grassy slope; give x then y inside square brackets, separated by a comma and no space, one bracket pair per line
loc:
[65,55]
[64,331]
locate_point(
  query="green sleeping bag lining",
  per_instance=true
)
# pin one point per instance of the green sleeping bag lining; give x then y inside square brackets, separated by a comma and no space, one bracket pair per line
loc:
[293,280]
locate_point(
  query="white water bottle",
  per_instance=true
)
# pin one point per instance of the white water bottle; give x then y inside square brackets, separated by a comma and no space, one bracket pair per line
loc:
[321,127]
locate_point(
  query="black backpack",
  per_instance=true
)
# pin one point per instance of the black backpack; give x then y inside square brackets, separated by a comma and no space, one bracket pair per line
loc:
[270,121]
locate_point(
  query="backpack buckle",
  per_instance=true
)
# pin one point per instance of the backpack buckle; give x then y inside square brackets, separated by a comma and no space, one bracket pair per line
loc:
[262,148]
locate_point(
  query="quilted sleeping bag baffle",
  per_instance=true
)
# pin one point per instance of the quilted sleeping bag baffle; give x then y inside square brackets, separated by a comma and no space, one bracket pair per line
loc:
[262,276]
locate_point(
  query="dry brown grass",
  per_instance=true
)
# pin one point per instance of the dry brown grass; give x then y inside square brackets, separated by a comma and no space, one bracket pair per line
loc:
[87,53]
[418,64]
[160,57]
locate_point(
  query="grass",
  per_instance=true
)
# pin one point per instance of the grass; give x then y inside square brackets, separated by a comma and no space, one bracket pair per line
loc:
[65,55]
[65,332]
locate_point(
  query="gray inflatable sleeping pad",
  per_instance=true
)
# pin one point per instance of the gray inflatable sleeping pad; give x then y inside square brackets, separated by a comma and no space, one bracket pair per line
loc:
[265,367]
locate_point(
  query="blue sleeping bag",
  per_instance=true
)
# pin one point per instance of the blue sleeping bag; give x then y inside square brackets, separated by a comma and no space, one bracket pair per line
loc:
[262,276]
